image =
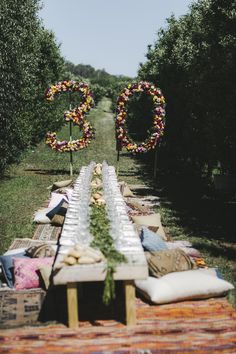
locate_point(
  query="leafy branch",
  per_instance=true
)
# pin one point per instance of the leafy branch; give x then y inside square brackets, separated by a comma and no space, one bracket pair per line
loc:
[99,228]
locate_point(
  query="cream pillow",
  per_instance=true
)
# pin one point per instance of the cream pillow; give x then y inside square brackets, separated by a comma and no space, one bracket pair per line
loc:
[61,184]
[45,272]
[151,220]
[55,199]
[40,216]
[125,190]
[186,285]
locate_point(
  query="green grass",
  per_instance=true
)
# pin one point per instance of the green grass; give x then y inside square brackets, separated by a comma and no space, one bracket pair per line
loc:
[208,224]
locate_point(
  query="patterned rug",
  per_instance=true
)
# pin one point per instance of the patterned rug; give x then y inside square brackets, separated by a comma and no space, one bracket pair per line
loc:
[47,232]
[204,326]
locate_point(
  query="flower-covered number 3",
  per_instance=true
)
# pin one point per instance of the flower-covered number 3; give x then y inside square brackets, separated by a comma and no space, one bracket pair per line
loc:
[76,116]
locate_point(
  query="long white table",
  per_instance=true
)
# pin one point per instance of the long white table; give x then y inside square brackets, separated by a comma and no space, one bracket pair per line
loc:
[135,268]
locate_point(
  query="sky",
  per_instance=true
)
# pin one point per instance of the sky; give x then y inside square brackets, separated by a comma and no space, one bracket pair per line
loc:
[108,34]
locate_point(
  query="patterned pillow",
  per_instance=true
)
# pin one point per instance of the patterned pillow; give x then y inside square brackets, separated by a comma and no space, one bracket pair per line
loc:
[26,271]
[7,266]
[152,241]
[57,214]
[40,251]
[168,261]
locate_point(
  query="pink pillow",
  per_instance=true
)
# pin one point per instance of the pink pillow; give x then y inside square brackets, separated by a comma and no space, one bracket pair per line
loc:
[25,271]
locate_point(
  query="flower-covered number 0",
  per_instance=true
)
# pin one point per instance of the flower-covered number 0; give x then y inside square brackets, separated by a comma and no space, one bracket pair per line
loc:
[76,116]
[123,139]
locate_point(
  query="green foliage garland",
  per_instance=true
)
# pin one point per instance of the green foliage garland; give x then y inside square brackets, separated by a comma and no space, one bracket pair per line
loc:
[99,228]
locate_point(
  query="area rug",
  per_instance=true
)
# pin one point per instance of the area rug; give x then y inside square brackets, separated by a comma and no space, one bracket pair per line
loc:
[47,232]
[206,326]
[26,243]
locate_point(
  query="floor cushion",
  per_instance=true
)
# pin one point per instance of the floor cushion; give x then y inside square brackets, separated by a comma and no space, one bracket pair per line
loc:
[61,184]
[26,272]
[40,251]
[55,199]
[6,262]
[151,220]
[190,251]
[40,216]
[186,285]
[125,190]
[168,261]
[151,241]
[57,214]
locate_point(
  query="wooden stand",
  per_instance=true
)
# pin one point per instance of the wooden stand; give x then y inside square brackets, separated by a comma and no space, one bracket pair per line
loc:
[130,305]
[72,305]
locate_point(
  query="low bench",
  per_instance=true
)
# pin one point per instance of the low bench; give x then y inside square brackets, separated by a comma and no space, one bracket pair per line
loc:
[135,268]
[129,245]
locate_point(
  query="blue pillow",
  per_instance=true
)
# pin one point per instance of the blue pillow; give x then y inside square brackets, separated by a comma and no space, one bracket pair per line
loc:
[7,267]
[59,209]
[152,241]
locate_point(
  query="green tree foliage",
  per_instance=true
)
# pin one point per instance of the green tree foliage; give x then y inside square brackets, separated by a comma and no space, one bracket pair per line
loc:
[193,61]
[29,61]
[101,83]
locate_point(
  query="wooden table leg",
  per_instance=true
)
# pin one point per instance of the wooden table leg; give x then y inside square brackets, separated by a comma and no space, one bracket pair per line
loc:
[130,304]
[72,305]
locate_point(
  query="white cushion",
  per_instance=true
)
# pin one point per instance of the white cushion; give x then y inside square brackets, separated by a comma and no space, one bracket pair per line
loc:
[40,216]
[14,251]
[69,193]
[56,199]
[186,285]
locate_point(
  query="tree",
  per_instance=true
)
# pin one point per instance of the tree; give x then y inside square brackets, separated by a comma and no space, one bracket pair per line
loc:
[193,62]
[29,59]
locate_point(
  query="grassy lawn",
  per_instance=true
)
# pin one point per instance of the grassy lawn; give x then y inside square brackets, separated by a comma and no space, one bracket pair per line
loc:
[206,222]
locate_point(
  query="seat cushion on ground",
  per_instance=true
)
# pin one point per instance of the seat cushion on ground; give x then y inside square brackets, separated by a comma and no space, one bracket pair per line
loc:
[45,273]
[26,272]
[40,216]
[186,285]
[134,204]
[151,220]
[168,261]
[57,214]
[6,262]
[125,190]
[55,199]
[14,251]
[40,251]
[61,184]
[151,241]
[190,251]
